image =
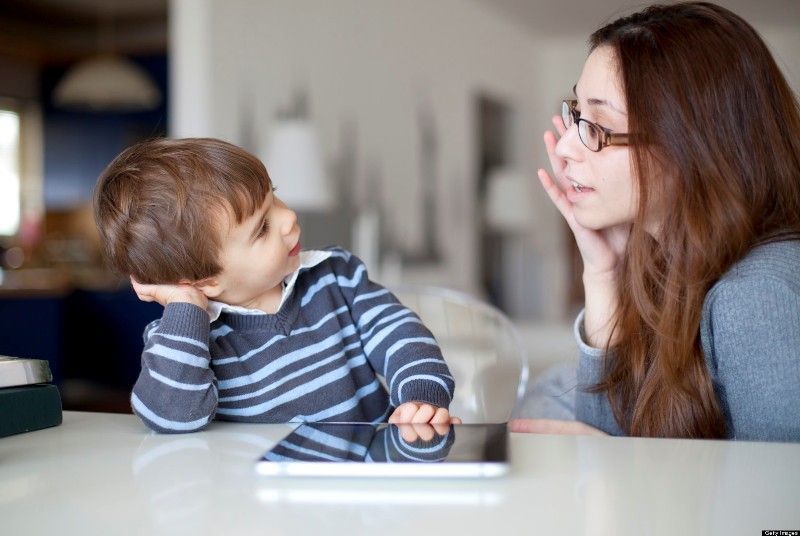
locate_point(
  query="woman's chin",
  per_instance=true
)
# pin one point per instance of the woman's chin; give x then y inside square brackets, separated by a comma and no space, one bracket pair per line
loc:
[598,222]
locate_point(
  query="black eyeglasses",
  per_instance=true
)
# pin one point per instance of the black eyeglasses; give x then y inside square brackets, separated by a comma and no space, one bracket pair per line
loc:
[592,135]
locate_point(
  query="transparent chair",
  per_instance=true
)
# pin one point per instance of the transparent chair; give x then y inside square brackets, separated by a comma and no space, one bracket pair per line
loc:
[481,347]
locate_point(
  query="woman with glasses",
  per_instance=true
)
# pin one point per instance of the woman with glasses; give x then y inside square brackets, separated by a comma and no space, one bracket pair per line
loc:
[677,168]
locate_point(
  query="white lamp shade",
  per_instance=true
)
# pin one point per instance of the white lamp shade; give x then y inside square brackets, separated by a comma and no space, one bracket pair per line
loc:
[294,163]
[508,201]
[107,83]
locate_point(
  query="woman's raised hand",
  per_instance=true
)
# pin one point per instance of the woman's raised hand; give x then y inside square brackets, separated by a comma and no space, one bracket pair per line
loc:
[600,249]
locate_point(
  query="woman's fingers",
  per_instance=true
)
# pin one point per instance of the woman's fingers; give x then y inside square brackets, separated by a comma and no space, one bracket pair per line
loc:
[559,124]
[556,195]
[557,164]
[548,426]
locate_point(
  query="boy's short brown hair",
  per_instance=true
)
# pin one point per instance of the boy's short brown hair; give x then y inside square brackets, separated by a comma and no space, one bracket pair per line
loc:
[158,206]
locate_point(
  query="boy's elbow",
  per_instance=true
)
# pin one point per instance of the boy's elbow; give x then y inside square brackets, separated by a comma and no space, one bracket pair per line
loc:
[176,422]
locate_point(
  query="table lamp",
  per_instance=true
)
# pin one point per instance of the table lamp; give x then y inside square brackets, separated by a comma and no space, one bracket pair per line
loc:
[294,162]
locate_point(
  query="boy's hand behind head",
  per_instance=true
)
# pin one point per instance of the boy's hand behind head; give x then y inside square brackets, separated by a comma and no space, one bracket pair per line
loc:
[165,294]
[419,413]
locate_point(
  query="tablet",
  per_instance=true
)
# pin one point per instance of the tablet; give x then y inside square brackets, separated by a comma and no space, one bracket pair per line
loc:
[389,450]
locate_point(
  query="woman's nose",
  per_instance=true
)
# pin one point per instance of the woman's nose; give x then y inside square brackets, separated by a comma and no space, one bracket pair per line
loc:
[569,145]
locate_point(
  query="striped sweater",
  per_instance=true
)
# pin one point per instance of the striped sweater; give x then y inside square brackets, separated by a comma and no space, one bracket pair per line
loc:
[317,359]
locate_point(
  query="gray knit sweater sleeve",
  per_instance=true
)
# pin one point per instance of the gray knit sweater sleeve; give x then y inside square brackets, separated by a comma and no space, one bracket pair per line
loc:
[750,331]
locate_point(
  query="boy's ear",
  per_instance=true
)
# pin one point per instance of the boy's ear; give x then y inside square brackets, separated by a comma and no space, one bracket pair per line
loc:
[208,286]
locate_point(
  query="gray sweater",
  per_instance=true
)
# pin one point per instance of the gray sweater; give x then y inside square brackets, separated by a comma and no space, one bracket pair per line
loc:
[750,333]
[317,359]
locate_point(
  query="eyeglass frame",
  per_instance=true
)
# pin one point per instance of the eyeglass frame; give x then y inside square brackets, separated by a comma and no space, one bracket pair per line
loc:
[607,138]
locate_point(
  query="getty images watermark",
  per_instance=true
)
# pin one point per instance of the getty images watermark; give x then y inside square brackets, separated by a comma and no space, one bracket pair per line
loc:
[780,533]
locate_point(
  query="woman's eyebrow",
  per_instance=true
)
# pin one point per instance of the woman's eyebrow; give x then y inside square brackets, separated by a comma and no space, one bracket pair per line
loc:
[598,102]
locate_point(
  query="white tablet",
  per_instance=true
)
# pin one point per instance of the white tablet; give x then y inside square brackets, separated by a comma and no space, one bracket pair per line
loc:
[388,450]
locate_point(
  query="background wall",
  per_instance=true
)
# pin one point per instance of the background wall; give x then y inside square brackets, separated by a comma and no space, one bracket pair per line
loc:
[370,69]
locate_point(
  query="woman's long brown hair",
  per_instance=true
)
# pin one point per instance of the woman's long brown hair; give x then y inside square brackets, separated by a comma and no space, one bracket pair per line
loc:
[716,154]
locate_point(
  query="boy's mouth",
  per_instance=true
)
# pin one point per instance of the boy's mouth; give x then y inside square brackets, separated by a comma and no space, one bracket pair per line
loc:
[295,250]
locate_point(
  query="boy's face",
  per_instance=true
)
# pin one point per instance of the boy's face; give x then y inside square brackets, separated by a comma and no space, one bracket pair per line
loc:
[256,256]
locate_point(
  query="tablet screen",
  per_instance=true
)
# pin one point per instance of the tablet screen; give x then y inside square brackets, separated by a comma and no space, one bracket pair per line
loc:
[338,449]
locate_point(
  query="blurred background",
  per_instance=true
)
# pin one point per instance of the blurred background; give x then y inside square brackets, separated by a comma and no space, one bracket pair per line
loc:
[408,131]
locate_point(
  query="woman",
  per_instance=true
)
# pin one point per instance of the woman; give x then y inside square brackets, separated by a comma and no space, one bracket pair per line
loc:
[678,171]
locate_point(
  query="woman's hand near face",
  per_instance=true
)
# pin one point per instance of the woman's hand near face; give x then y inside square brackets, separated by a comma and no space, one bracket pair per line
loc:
[601,250]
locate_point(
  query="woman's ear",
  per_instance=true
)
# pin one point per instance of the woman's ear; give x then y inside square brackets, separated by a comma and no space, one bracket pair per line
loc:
[208,286]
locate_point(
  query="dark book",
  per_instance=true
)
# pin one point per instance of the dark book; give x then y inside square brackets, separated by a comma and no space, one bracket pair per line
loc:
[29,407]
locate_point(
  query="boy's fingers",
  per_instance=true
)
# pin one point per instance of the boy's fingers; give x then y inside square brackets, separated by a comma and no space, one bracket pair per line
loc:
[455,420]
[405,412]
[424,431]
[424,414]
[408,433]
[442,416]
[441,429]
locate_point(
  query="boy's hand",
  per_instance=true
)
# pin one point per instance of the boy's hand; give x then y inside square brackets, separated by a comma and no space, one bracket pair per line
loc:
[165,294]
[419,413]
[425,432]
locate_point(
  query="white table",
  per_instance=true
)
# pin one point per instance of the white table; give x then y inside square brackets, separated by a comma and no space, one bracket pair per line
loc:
[106,474]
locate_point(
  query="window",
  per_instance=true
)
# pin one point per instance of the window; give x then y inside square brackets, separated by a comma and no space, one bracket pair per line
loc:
[9,172]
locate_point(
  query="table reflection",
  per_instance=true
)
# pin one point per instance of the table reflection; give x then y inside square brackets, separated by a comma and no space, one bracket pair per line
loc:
[325,442]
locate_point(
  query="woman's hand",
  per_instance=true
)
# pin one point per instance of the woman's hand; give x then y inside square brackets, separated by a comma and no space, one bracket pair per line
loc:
[600,250]
[165,294]
[548,426]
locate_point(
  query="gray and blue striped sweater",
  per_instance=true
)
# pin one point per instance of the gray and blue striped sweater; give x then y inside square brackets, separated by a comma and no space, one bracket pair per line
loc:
[317,359]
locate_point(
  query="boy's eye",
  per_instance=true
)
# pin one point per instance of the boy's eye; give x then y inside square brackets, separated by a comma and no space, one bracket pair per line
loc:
[263,229]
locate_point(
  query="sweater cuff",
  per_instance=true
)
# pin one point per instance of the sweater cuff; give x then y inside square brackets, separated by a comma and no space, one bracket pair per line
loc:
[580,338]
[186,320]
[426,391]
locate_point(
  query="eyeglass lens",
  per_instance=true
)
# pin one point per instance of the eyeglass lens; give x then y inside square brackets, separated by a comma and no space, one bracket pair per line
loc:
[589,134]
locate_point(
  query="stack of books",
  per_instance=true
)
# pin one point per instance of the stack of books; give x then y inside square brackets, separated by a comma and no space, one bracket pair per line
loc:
[28,401]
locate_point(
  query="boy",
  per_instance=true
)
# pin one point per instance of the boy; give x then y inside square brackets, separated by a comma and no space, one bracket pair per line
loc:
[253,328]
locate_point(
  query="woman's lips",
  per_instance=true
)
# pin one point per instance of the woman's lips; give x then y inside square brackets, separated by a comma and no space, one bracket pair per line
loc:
[577,191]
[295,250]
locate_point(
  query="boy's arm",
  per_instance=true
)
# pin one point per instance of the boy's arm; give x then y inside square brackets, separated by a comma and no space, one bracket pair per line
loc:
[398,346]
[176,390]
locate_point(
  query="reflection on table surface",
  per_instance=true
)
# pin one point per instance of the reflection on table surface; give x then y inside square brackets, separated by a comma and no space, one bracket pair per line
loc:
[105,473]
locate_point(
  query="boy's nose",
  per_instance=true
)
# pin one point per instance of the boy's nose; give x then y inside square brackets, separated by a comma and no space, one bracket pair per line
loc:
[289,221]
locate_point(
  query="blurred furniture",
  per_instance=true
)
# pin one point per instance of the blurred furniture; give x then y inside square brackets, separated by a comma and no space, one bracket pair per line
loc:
[90,335]
[481,347]
[107,474]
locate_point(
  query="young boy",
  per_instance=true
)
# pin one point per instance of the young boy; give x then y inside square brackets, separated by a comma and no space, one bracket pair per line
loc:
[254,329]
